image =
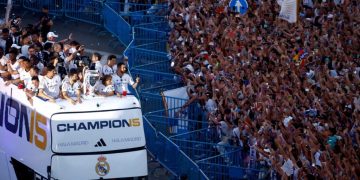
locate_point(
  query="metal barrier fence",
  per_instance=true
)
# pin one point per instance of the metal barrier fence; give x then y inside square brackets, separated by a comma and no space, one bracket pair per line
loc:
[169,154]
[155,81]
[171,121]
[138,18]
[116,25]
[231,167]
[150,8]
[84,10]
[159,46]
[179,120]
[151,102]
[201,143]
[54,6]
[162,66]
[135,13]
[107,14]
[139,56]
[162,25]
[145,35]
[14,2]
[122,7]
[217,159]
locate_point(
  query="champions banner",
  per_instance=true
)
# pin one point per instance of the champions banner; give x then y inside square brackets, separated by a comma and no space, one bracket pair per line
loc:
[288,10]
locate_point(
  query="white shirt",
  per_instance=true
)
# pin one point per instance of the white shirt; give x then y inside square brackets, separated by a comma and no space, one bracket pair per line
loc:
[51,87]
[62,55]
[3,61]
[237,134]
[121,83]
[288,167]
[70,89]
[40,66]
[317,158]
[15,67]
[225,130]
[24,75]
[69,64]
[24,50]
[107,70]
[99,67]
[210,106]
[30,86]
[104,89]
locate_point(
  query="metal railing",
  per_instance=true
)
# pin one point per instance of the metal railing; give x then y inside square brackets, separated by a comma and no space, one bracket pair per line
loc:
[140,57]
[117,25]
[14,2]
[84,10]
[170,155]
[173,122]
[54,6]
[155,82]
[116,17]
[152,102]
[231,166]
[135,13]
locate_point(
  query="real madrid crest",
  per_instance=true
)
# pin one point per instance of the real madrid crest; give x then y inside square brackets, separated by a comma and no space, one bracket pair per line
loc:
[102,168]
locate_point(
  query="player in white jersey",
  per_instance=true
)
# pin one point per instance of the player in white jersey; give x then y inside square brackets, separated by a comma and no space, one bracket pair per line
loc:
[110,67]
[106,88]
[49,87]
[24,71]
[95,60]
[71,88]
[3,61]
[32,88]
[12,66]
[121,80]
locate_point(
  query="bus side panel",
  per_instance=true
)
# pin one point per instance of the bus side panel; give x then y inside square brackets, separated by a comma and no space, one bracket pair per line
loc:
[114,165]
[24,133]
[97,131]
[6,170]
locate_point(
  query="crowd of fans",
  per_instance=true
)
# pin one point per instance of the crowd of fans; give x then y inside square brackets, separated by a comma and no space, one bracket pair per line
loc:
[289,91]
[32,58]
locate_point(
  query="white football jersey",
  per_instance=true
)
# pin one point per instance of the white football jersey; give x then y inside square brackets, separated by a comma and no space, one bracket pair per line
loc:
[51,87]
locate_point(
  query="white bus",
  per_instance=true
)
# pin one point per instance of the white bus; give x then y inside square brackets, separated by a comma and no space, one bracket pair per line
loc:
[100,138]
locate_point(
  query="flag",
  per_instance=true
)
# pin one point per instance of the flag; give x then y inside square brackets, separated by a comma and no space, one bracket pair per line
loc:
[300,57]
[289,10]
[299,52]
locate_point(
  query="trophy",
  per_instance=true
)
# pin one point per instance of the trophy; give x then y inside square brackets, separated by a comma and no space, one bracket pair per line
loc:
[91,78]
